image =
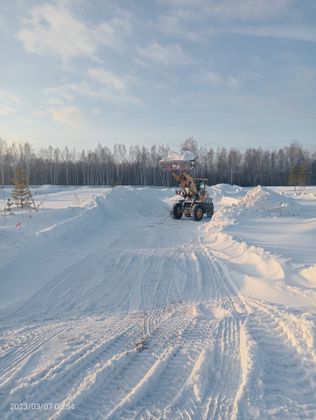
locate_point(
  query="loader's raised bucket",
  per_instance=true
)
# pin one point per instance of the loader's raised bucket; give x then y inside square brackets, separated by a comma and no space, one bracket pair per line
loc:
[177,165]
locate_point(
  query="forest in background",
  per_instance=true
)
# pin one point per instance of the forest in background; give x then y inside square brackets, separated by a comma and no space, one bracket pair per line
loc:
[139,165]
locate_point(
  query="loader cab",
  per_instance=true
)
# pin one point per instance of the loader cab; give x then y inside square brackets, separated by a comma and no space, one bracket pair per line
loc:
[200,184]
[201,193]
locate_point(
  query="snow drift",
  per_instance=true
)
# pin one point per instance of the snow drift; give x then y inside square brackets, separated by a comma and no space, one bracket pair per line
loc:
[310,274]
[125,202]
[118,205]
[263,202]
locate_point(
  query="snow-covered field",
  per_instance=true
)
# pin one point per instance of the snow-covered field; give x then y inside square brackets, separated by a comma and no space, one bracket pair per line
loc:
[111,309]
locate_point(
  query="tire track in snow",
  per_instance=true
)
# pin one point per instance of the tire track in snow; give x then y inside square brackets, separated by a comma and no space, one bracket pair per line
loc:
[219,394]
[69,361]
[163,394]
[176,339]
[282,381]
[278,358]
[54,383]
[109,390]
[153,283]
[298,330]
[17,357]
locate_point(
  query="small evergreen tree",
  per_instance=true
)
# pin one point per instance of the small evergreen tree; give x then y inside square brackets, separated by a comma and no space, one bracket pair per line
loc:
[21,194]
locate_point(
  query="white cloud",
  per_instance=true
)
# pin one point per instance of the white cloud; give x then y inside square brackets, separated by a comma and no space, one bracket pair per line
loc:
[111,33]
[248,9]
[216,79]
[9,96]
[96,111]
[168,55]
[6,110]
[293,32]
[9,102]
[108,79]
[54,100]
[232,9]
[58,95]
[39,113]
[108,89]
[54,30]
[172,25]
[71,116]
[197,20]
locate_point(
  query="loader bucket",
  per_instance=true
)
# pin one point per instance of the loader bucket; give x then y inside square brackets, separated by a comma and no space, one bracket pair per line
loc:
[177,165]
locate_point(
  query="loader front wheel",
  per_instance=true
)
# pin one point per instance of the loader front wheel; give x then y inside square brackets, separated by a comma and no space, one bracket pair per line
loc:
[176,211]
[210,210]
[197,212]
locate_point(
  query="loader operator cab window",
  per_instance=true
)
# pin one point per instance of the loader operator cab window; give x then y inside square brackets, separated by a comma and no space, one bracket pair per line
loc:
[200,185]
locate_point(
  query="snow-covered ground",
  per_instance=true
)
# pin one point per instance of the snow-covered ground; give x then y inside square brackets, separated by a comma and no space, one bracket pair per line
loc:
[111,309]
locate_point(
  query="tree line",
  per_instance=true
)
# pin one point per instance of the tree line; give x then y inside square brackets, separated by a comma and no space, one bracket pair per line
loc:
[139,165]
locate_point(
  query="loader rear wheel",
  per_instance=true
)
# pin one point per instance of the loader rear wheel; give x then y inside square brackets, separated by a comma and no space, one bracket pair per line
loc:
[176,211]
[197,212]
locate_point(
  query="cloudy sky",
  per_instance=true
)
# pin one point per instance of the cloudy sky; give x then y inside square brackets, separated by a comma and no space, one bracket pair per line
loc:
[227,72]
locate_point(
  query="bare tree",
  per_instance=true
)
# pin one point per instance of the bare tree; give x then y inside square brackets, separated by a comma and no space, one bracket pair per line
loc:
[140,165]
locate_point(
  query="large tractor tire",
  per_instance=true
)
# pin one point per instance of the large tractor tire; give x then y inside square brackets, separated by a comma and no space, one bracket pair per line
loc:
[176,211]
[197,212]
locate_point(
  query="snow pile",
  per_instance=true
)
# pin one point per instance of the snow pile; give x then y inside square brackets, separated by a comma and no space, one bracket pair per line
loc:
[309,196]
[263,202]
[125,202]
[120,204]
[186,155]
[249,260]
[310,274]
[226,194]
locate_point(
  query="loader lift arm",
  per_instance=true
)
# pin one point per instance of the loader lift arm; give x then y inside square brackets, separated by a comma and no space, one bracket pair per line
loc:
[186,183]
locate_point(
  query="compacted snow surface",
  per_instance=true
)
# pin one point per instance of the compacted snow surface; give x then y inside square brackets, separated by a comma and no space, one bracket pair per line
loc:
[110,309]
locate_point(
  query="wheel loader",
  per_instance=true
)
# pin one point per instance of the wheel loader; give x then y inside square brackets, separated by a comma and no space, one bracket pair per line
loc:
[194,200]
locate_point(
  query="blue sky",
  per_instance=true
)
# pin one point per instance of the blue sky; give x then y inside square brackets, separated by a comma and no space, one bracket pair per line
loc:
[233,73]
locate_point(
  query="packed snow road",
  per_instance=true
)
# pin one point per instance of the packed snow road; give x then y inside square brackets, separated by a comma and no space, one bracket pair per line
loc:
[131,314]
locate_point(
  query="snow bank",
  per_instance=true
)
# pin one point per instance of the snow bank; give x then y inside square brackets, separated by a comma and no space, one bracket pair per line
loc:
[309,196]
[119,205]
[125,202]
[310,274]
[263,202]
[226,194]
[248,260]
